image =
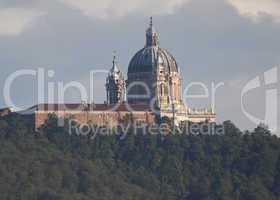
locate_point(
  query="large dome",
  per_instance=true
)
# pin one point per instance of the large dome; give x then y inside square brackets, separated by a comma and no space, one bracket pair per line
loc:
[153,75]
[148,58]
[151,56]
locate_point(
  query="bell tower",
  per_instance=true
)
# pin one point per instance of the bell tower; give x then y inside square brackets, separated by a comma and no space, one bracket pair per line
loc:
[115,85]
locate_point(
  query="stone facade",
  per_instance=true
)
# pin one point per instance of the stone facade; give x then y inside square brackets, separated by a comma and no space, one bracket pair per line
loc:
[99,114]
[154,78]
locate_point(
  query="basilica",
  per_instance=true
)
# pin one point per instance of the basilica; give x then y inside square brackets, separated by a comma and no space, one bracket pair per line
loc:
[153,89]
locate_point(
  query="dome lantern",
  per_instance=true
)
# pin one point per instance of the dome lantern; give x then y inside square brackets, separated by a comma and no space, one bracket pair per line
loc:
[151,35]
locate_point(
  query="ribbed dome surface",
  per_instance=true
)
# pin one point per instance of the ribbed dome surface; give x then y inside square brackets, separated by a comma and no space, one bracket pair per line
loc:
[148,58]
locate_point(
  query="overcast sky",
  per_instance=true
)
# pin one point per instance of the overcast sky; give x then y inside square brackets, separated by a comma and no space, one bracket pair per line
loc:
[230,41]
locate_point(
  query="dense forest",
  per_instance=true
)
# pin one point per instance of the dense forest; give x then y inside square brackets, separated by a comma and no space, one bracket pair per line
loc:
[54,165]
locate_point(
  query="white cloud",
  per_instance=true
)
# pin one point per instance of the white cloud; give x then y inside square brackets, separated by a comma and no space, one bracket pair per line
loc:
[258,8]
[14,20]
[119,8]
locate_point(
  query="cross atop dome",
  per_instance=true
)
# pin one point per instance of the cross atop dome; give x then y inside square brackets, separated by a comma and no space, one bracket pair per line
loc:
[151,35]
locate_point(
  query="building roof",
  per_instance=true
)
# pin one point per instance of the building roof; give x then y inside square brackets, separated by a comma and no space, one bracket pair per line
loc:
[124,107]
[148,58]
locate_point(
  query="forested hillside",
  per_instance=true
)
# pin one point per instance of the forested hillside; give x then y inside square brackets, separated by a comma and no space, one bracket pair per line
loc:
[54,165]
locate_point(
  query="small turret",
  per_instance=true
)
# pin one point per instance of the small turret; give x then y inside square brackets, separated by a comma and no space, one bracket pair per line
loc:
[115,85]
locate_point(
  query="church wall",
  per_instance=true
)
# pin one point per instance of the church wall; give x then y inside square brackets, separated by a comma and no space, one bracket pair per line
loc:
[112,119]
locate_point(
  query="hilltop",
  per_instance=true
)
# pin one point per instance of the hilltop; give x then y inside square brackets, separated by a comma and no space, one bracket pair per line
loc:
[54,165]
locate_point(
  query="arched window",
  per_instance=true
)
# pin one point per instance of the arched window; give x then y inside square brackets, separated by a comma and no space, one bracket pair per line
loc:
[162,89]
[165,90]
[175,91]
